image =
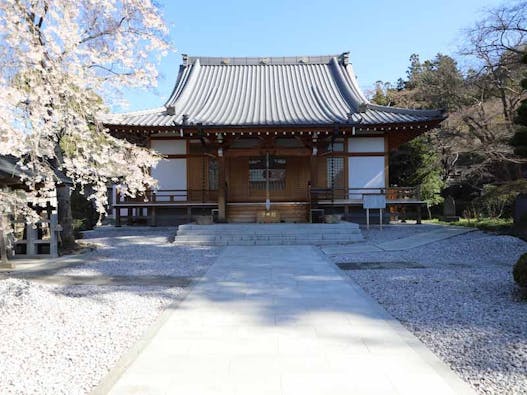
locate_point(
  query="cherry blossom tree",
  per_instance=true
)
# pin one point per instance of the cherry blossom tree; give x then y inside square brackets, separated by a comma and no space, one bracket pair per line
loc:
[58,58]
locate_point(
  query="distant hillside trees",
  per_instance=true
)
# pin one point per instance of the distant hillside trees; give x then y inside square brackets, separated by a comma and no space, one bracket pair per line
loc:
[486,105]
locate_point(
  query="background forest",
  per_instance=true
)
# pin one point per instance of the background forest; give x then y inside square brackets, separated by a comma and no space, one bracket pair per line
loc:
[478,155]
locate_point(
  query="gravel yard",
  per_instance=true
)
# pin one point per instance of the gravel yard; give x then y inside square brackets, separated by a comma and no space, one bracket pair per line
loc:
[463,305]
[142,251]
[57,339]
[458,298]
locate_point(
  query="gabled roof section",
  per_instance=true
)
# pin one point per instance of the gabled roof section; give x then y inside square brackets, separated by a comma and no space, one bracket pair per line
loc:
[269,91]
[10,170]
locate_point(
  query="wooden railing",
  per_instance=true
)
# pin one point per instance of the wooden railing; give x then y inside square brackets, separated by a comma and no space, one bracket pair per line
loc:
[392,193]
[320,199]
[172,196]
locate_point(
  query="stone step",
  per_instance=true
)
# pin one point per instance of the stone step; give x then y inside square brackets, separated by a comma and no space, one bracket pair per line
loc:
[268,234]
[278,226]
[317,237]
[268,228]
[262,242]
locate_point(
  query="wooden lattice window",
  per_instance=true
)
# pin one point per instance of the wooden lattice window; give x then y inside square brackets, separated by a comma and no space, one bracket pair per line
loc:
[335,171]
[259,172]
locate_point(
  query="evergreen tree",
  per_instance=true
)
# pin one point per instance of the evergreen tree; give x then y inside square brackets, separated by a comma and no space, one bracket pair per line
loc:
[519,140]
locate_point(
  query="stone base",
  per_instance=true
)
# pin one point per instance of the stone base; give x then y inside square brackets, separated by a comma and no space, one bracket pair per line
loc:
[268,217]
[332,218]
[204,219]
[268,234]
[7,265]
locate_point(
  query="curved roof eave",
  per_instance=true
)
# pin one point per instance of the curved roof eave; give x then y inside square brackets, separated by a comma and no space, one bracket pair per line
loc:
[314,90]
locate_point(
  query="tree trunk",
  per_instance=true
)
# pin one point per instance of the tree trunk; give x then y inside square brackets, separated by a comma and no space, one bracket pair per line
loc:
[3,250]
[65,218]
[3,243]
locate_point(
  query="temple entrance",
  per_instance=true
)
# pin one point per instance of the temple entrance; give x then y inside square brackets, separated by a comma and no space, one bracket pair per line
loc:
[276,182]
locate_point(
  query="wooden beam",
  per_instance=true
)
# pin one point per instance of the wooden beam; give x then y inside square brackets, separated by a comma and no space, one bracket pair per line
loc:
[386,163]
[222,212]
[344,128]
[235,152]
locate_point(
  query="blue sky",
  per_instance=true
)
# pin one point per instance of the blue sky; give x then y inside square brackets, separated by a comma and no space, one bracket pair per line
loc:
[380,34]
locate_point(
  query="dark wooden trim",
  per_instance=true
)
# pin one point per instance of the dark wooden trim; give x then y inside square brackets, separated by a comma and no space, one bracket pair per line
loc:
[347,163]
[222,190]
[386,163]
[235,152]
[367,153]
[344,129]
[168,138]
[364,136]
[185,156]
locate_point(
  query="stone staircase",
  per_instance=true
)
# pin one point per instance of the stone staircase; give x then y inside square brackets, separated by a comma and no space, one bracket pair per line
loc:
[268,234]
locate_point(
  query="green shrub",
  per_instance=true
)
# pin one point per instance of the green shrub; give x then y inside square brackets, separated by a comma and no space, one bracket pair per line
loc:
[78,227]
[496,201]
[519,272]
[83,212]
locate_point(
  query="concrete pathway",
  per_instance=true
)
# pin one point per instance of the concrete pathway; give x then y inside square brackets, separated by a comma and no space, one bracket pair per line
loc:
[280,320]
[405,243]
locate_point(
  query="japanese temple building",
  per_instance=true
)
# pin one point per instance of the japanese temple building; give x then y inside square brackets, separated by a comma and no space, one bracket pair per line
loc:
[294,136]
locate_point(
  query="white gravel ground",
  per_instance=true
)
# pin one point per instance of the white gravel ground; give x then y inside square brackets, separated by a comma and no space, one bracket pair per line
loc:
[464,306]
[139,251]
[393,232]
[64,339]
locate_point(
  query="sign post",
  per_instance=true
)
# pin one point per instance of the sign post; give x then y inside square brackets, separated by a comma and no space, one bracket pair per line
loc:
[373,201]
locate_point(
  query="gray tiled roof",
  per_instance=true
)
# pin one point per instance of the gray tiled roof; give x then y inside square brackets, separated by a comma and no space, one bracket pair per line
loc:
[9,168]
[316,90]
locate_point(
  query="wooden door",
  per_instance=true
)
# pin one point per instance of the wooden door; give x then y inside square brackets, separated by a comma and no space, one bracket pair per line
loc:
[246,179]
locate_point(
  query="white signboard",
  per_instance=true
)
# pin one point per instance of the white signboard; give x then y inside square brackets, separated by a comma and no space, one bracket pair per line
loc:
[374,200]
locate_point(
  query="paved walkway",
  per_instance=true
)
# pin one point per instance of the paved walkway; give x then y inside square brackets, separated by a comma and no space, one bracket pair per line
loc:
[281,320]
[405,243]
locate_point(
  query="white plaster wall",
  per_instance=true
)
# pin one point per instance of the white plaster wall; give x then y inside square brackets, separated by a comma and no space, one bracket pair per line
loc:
[366,172]
[169,147]
[171,174]
[366,144]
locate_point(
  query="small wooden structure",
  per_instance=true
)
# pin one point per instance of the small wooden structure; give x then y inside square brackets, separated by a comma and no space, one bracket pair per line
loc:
[244,136]
[38,240]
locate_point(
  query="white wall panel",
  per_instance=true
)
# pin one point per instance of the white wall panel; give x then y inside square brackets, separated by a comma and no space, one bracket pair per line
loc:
[173,147]
[366,172]
[171,174]
[366,144]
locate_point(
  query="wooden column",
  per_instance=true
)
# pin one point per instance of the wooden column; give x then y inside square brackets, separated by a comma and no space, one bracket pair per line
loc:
[153,216]
[313,170]
[418,195]
[222,212]
[312,183]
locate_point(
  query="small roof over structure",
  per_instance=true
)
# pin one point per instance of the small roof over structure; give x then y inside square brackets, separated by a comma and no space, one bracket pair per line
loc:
[12,174]
[275,91]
